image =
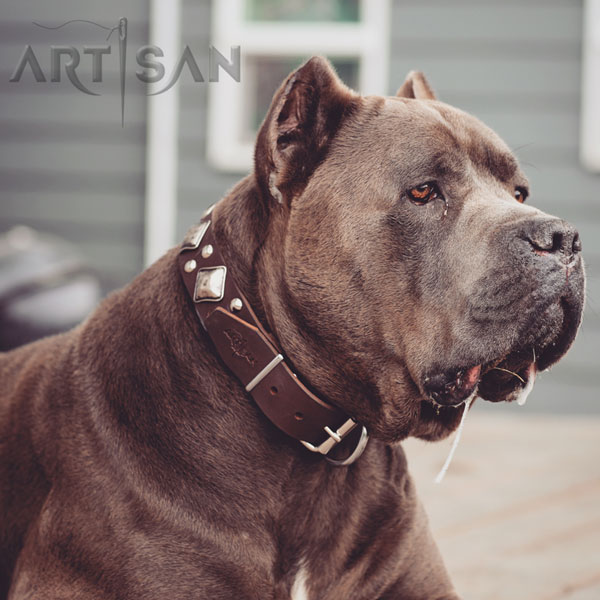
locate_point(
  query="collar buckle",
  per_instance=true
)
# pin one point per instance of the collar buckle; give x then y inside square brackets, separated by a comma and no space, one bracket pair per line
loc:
[335,437]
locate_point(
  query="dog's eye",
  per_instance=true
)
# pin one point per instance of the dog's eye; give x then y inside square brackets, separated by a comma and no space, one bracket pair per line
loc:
[521,194]
[424,193]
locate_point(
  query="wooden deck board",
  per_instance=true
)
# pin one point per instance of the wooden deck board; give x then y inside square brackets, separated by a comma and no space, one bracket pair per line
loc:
[518,514]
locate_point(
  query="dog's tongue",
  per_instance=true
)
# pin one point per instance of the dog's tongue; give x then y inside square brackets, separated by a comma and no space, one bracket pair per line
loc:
[472,376]
[525,391]
[466,381]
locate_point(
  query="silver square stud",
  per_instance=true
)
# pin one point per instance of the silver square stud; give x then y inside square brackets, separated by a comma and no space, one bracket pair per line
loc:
[194,237]
[210,284]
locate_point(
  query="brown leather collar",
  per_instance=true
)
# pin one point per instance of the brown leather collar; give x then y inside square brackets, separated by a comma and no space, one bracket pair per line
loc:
[252,354]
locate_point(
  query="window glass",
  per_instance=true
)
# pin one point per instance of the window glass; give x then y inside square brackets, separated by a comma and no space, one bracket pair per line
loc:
[302,10]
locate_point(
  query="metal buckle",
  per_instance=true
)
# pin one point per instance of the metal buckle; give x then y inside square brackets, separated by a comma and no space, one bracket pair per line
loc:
[355,454]
[335,437]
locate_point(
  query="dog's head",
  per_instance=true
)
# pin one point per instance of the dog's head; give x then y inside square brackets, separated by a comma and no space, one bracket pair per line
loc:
[406,271]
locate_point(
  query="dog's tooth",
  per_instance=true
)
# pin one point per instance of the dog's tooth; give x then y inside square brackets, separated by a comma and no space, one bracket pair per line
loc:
[524,393]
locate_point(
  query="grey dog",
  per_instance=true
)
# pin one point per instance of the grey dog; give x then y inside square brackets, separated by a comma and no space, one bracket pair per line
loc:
[387,251]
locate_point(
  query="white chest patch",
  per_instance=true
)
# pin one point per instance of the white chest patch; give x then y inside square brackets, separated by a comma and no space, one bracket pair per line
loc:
[299,591]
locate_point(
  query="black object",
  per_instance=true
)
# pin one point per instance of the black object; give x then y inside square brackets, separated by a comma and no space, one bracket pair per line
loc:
[45,286]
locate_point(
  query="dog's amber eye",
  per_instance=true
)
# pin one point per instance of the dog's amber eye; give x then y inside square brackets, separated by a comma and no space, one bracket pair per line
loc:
[521,194]
[424,193]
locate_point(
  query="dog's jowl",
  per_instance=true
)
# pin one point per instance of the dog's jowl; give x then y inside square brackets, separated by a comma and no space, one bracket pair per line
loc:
[227,425]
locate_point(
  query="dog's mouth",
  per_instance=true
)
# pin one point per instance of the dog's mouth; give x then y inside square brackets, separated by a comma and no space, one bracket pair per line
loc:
[508,378]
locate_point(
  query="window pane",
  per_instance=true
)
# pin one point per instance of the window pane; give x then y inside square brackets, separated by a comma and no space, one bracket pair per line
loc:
[264,74]
[302,10]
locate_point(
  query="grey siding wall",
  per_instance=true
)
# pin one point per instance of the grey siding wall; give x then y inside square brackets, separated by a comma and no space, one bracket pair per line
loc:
[66,164]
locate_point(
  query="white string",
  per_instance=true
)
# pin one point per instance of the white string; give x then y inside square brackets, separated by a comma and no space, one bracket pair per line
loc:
[440,475]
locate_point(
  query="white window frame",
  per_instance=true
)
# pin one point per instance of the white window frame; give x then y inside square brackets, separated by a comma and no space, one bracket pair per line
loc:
[590,93]
[161,138]
[367,40]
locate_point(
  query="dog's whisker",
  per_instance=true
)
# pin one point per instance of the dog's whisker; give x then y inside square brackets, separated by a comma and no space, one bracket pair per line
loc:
[510,372]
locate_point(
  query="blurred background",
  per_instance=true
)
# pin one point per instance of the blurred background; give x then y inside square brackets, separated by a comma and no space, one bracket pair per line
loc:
[120,195]
[88,200]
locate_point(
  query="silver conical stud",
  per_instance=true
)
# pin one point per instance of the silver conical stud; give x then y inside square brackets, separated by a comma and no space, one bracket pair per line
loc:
[236,304]
[189,266]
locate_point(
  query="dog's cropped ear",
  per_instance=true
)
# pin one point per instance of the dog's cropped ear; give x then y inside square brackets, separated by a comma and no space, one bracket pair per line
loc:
[416,86]
[304,116]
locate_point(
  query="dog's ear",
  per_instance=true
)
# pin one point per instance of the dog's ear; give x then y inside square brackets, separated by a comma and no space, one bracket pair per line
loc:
[304,116]
[416,86]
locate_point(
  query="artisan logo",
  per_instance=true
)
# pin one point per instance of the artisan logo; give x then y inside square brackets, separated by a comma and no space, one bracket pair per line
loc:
[151,70]
[239,346]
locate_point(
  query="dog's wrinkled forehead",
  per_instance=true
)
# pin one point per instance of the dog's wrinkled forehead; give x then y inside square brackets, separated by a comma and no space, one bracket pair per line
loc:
[444,140]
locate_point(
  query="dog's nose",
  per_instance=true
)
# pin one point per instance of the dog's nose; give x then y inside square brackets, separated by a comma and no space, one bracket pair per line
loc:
[553,236]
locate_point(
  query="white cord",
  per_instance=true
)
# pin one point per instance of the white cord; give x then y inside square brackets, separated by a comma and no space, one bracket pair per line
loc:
[440,475]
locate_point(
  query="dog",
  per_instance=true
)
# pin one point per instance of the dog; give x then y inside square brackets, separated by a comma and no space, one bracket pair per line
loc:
[200,434]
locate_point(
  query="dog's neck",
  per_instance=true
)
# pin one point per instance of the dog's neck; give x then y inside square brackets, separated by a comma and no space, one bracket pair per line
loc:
[250,231]
[250,352]
[240,222]
[252,235]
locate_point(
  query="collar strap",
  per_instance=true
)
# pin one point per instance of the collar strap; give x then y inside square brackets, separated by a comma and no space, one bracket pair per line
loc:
[253,355]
